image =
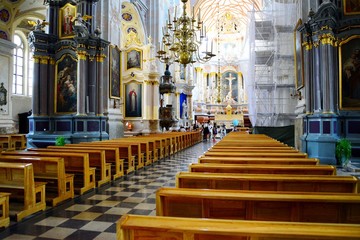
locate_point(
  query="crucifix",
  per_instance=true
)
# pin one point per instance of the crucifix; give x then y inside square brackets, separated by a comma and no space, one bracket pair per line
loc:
[230,78]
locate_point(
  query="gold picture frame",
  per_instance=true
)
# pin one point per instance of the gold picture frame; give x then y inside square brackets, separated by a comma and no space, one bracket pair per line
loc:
[67,15]
[115,72]
[298,57]
[133,99]
[351,7]
[134,58]
[349,73]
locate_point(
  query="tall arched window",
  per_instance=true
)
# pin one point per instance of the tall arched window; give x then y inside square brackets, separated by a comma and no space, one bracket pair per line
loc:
[18,76]
[23,67]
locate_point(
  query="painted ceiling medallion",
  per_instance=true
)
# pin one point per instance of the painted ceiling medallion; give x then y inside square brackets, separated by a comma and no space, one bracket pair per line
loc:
[131,29]
[3,35]
[4,15]
[127,17]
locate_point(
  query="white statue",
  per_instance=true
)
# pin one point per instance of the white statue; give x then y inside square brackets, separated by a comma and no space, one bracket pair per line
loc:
[185,110]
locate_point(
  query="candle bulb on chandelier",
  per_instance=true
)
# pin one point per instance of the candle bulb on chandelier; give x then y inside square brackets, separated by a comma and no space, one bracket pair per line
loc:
[175,13]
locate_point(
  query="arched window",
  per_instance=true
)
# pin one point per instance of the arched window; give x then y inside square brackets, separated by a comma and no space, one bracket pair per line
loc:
[18,76]
[23,68]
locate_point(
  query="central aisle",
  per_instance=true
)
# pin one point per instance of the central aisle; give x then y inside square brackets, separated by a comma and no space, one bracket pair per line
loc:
[95,215]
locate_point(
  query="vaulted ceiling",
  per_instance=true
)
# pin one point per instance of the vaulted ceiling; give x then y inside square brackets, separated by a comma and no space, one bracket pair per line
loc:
[213,10]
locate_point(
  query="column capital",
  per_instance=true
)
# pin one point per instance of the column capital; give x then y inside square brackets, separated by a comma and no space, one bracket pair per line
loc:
[82,55]
[198,69]
[100,57]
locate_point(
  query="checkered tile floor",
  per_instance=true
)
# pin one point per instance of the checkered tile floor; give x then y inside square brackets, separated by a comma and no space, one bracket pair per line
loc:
[94,215]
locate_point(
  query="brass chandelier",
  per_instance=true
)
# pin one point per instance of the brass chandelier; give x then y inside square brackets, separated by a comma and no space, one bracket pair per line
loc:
[182,39]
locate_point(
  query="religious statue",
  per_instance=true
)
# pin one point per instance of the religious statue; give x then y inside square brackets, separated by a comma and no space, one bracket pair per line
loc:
[185,110]
[38,25]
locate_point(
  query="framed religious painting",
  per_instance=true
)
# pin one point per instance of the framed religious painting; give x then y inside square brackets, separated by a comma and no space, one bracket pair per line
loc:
[133,99]
[351,7]
[349,73]
[298,57]
[67,15]
[134,59]
[114,72]
[66,84]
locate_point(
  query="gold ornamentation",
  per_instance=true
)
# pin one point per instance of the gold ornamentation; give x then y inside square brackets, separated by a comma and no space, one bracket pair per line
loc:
[308,46]
[44,59]
[100,57]
[132,38]
[328,38]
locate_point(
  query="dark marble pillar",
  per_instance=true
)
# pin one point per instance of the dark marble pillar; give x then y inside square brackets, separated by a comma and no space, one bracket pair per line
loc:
[100,83]
[324,77]
[308,64]
[35,93]
[51,85]
[43,90]
[82,76]
[333,78]
[91,97]
[317,94]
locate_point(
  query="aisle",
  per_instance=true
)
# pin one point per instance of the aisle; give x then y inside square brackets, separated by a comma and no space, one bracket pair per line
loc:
[94,216]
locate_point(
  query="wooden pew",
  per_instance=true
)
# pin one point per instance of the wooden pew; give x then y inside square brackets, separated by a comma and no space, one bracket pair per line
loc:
[97,160]
[258,150]
[159,145]
[18,141]
[165,143]
[265,161]
[263,169]
[18,179]
[247,143]
[135,150]
[112,156]
[124,152]
[5,142]
[262,206]
[136,227]
[152,147]
[144,148]
[4,206]
[75,163]
[60,185]
[255,154]
[265,182]
[248,148]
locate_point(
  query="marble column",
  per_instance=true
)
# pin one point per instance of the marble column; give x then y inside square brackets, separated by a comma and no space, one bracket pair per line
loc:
[51,88]
[155,96]
[317,91]
[324,77]
[308,66]
[190,113]
[147,100]
[91,97]
[36,88]
[100,83]
[177,105]
[81,83]
[43,88]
